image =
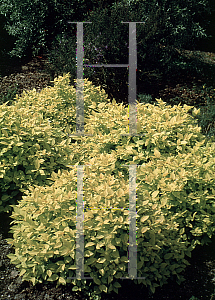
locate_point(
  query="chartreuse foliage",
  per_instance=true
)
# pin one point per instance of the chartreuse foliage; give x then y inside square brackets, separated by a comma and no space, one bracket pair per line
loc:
[175,187]
[31,144]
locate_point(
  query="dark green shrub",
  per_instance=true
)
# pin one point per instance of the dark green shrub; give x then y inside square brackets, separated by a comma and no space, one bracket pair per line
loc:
[207,120]
[144,98]
[202,97]
[169,26]
[62,56]
[36,23]
[10,95]
[4,36]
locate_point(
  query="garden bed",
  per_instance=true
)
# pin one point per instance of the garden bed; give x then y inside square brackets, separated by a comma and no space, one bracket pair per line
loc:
[199,275]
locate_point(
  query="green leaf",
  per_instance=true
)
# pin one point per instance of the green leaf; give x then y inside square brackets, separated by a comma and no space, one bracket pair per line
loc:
[140,264]
[22,272]
[102,272]
[154,194]
[89,244]
[73,267]
[91,260]
[12,256]
[152,240]
[144,218]
[168,256]
[37,164]
[33,280]
[188,253]
[53,277]
[117,285]
[163,265]
[103,288]
[124,259]
[96,280]
[5,197]
[110,278]
[62,280]
[49,273]
[144,229]
[87,268]
[101,260]
[152,288]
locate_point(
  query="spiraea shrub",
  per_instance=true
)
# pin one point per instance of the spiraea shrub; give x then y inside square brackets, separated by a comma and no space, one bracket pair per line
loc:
[175,191]
[33,136]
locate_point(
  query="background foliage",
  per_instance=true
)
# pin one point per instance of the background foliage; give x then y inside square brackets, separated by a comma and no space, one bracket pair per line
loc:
[36,23]
[169,26]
